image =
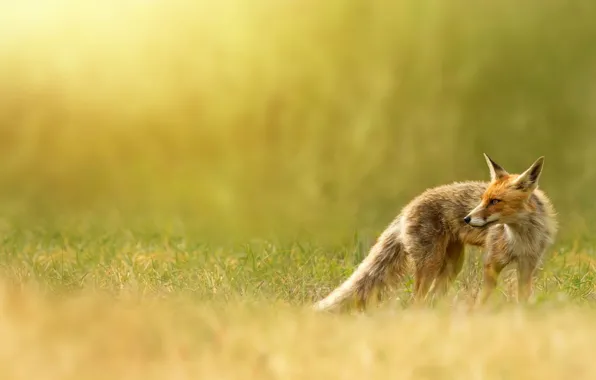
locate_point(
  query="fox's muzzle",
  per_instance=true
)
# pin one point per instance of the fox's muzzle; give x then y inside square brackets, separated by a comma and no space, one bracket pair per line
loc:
[475,221]
[477,218]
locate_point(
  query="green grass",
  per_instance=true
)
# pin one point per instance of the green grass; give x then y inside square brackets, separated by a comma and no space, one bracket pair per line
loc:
[295,272]
[140,305]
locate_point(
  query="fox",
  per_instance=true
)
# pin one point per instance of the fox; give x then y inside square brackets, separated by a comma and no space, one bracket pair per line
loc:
[508,217]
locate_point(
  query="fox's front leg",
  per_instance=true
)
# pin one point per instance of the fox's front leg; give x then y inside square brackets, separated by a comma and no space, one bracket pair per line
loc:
[493,266]
[525,271]
[491,275]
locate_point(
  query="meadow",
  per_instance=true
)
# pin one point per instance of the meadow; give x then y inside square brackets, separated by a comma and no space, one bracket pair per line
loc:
[180,181]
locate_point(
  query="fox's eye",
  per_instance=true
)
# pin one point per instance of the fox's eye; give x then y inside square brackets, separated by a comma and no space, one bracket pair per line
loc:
[494,201]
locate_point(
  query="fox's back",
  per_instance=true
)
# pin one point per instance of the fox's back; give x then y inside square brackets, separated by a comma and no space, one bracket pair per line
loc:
[441,210]
[447,202]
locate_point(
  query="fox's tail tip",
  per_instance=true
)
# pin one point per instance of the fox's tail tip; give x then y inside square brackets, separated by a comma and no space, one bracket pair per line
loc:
[317,307]
[321,306]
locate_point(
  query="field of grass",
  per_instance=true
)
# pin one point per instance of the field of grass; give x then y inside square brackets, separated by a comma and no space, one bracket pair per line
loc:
[132,306]
[180,181]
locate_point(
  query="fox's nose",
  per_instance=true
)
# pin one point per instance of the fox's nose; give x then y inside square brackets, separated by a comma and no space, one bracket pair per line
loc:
[467,219]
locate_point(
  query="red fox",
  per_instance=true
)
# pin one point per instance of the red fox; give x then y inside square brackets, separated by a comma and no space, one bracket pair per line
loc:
[509,216]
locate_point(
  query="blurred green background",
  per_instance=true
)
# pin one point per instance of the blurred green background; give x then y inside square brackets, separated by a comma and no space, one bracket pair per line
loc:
[294,118]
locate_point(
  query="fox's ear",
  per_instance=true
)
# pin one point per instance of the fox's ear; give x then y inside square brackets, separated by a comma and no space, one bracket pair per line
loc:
[496,171]
[528,180]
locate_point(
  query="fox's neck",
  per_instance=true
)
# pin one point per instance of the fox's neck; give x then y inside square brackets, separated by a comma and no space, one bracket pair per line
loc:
[521,226]
[526,224]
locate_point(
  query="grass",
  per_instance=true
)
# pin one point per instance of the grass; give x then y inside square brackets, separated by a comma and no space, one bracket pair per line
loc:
[180,180]
[138,306]
[296,272]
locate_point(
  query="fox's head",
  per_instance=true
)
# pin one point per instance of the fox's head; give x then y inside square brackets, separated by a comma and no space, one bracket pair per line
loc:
[507,197]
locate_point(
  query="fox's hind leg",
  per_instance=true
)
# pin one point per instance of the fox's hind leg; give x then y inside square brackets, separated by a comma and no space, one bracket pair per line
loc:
[428,267]
[452,266]
[423,281]
[426,242]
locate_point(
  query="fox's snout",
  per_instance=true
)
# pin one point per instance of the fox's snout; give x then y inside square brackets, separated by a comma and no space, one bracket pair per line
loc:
[475,221]
[480,217]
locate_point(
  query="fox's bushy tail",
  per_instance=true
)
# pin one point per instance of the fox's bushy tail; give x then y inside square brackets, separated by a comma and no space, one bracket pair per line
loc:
[382,268]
